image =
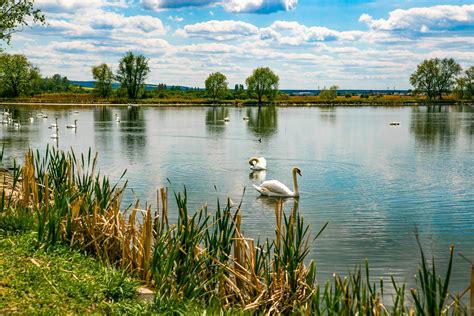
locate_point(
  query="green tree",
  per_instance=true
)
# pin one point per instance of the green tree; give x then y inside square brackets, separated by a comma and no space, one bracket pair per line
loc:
[103,77]
[330,94]
[16,75]
[469,75]
[435,76]
[460,88]
[216,85]
[16,14]
[132,73]
[263,83]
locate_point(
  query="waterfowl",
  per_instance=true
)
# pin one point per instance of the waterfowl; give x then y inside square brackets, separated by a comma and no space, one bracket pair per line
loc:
[226,119]
[54,125]
[72,125]
[117,118]
[276,188]
[394,123]
[258,163]
[55,135]
[246,118]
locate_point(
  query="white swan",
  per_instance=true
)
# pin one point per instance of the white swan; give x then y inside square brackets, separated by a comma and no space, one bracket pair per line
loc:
[276,188]
[258,163]
[117,118]
[246,118]
[55,135]
[54,125]
[72,125]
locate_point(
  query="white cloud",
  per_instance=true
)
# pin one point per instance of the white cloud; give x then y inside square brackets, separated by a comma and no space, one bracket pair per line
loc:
[176,18]
[234,6]
[258,6]
[219,30]
[57,6]
[441,17]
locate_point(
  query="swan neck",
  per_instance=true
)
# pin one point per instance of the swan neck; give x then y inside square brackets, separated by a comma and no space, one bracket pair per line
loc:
[295,184]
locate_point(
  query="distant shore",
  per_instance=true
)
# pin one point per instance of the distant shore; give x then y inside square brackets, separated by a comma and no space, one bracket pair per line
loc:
[88,99]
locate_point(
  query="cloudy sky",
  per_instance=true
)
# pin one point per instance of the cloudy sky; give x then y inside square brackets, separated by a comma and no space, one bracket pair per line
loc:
[309,43]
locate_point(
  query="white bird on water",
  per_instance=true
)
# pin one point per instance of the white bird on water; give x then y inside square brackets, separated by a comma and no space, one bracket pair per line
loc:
[54,125]
[117,118]
[55,135]
[276,188]
[258,163]
[72,125]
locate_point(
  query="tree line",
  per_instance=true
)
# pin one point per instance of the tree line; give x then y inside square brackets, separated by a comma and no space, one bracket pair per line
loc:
[438,77]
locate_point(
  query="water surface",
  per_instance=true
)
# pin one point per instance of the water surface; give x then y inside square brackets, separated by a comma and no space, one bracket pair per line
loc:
[372,182]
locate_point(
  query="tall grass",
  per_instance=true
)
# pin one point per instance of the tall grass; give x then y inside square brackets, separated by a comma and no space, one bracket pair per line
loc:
[203,257]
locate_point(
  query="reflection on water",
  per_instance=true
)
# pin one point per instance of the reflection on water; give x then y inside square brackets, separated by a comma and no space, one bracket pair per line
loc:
[215,119]
[263,121]
[328,114]
[258,176]
[374,183]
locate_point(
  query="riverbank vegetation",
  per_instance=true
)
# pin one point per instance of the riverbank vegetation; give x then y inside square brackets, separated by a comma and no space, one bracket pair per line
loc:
[435,81]
[201,259]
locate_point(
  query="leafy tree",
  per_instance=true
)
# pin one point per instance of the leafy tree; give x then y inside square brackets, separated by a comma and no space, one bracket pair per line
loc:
[56,83]
[16,75]
[263,83]
[469,75]
[103,77]
[460,88]
[132,73]
[16,14]
[435,76]
[216,85]
[330,94]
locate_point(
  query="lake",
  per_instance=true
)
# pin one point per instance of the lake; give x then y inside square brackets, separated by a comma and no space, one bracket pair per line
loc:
[374,183]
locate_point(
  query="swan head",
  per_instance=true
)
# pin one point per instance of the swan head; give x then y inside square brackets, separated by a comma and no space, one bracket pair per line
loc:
[297,171]
[253,161]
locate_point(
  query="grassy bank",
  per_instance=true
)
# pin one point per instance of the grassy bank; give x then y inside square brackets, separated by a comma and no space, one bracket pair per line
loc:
[202,259]
[193,99]
[59,280]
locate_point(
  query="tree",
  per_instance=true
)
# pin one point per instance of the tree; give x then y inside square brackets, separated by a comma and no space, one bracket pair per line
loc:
[132,73]
[460,88]
[330,94]
[435,76]
[216,85]
[103,77]
[16,14]
[263,83]
[470,81]
[16,75]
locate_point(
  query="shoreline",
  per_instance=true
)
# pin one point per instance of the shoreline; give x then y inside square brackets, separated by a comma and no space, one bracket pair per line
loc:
[238,105]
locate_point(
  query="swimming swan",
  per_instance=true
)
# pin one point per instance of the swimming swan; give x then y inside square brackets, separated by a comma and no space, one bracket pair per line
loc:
[72,125]
[117,118]
[258,163]
[54,125]
[276,188]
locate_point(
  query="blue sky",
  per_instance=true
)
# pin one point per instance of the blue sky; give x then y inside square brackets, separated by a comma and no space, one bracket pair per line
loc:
[308,43]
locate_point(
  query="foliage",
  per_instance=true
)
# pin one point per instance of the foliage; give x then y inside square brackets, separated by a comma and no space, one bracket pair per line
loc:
[263,83]
[469,77]
[17,75]
[330,94]
[60,280]
[434,77]
[16,14]
[103,77]
[216,85]
[55,83]
[132,73]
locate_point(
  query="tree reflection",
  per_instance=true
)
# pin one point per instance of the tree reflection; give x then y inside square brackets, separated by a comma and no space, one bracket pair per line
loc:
[328,114]
[263,121]
[434,125]
[102,114]
[215,119]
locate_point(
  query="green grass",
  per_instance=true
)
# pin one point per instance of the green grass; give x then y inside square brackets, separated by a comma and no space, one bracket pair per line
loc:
[60,281]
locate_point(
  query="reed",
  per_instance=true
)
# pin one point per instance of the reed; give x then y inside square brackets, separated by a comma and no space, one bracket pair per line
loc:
[203,258]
